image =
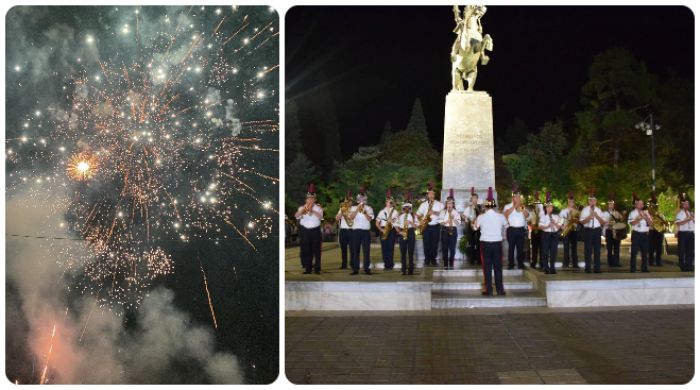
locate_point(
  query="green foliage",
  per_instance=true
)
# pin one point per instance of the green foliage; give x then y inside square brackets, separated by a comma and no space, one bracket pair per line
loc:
[299,173]
[463,244]
[416,124]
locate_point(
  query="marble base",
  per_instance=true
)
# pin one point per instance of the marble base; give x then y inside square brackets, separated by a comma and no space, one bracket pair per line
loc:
[620,292]
[357,295]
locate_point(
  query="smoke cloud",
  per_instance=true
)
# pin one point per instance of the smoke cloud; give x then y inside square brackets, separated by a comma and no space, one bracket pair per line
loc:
[90,344]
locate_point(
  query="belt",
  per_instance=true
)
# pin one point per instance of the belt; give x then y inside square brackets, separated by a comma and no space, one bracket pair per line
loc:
[634,231]
[317,227]
[592,227]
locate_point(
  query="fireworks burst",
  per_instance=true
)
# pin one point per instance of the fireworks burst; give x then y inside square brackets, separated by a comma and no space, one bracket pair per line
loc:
[165,133]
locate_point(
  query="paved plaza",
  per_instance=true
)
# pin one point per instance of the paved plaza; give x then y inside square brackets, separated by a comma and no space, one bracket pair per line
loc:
[490,346]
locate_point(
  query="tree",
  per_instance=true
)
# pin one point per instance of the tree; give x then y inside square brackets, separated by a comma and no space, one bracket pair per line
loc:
[416,123]
[292,137]
[386,133]
[299,173]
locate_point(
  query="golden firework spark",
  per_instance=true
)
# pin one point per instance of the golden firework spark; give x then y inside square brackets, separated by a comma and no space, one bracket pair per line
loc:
[82,166]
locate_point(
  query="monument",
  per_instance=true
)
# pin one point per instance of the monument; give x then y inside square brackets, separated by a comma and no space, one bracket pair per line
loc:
[468,157]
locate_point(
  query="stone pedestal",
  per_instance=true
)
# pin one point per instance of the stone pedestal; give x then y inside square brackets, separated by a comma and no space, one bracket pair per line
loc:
[468,157]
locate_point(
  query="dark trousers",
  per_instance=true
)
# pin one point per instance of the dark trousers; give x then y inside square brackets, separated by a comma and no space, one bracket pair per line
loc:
[388,249]
[536,253]
[516,240]
[407,245]
[310,248]
[491,260]
[686,250]
[640,243]
[431,237]
[656,247]
[570,253]
[448,237]
[613,247]
[360,239]
[550,243]
[591,246]
[345,238]
[473,245]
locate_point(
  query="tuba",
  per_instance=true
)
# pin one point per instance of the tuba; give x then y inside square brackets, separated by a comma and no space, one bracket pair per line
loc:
[389,226]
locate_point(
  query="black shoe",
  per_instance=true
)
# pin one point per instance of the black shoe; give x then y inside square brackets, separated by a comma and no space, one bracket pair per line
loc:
[306,272]
[486,293]
[403,272]
[645,270]
[546,272]
[552,272]
[576,267]
[368,272]
[354,273]
[588,271]
[341,267]
[501,293]
[317,272]
[410,272]
[521,267]
[597,271]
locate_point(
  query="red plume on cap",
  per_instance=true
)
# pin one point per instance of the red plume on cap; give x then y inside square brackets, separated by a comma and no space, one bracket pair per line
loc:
[349,194]
[634,197]
[363,189]
[312,188]
[452,193]
[431,185]
[472,192]
[388,192]
[407,196]
[591,193]
[548,197]
[537,195]
[489,195]
[571,194]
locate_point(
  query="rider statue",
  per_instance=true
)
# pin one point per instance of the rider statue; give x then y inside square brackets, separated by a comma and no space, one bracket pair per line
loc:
[469,46]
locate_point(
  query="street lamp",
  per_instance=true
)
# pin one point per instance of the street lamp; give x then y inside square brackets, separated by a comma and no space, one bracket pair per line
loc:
[649,127]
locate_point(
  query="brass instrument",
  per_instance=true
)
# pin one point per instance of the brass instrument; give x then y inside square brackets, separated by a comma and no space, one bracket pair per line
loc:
[658,222]
[345,211]
[535,219]
[389,226]
[449,221]
[404,230]
[571,222]
[426,218]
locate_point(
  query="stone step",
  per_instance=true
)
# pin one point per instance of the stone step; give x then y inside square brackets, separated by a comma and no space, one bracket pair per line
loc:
[475,283]
[476,272]
[474,299]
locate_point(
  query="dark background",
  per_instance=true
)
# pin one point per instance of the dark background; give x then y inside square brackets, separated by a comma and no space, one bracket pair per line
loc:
[373,62]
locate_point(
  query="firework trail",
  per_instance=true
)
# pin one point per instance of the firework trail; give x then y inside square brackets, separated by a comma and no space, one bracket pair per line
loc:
[206,288]
[163,133]
[48,357]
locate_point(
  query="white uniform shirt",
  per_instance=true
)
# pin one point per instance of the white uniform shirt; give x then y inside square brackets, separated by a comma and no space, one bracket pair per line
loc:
[411,219]
[343,222]
[516,219]
[642,226]
[608,216]
[594,222]
[423,210]
[491,225]
[384,216]
[546,219]
[310,220]
[361,222]
[686,227]
[444,218]
[470,213]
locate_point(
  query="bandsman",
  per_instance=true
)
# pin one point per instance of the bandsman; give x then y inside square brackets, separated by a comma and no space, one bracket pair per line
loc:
[345,231]
[405,226]
[473,210]
[570,217]
[550,225]
[640,220]
[612,217]
[362,215]
[310,216]
[592,221]
[656,238]
[428,214]
[516,214]
[535,234]
[387,236]
[449,220]
[491,224]
[685,223]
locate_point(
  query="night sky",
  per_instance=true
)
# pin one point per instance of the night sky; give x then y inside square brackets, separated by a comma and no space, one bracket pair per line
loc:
[377,60]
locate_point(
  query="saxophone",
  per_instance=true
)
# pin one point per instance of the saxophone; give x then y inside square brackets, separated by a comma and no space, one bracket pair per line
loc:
[426,217]
[535,219]
[571,222]
[449,222]
[344,211]
[389,226]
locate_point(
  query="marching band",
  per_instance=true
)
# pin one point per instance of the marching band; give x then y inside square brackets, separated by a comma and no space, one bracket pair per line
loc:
[486,229]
